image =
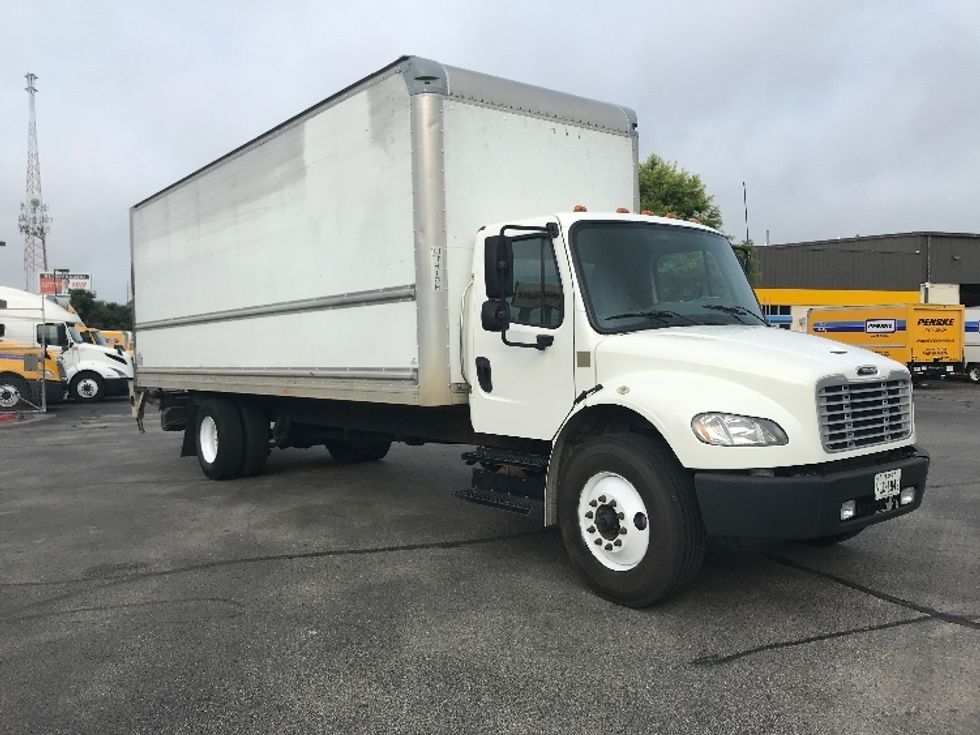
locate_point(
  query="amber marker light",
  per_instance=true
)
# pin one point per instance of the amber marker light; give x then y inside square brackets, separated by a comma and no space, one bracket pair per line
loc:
[622,210]
[579,208]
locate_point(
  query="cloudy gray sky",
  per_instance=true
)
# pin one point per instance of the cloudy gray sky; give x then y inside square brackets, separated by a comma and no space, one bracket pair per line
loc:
[843,117]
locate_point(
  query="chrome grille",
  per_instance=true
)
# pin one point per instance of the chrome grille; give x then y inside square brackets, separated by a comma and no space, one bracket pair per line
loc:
[854,415]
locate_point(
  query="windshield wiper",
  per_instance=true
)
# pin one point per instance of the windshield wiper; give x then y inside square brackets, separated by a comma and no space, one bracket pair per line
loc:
[736,311]
[661,314]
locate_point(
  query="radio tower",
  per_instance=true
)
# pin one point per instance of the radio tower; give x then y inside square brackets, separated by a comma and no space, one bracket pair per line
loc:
[34,221]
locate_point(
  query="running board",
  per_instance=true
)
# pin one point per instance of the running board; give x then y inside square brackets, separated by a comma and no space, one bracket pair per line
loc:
[500,501]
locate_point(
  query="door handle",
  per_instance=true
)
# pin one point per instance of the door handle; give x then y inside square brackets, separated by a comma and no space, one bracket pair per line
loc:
[484,375]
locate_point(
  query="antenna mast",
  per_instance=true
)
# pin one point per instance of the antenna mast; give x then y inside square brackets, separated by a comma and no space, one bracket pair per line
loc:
[33,221]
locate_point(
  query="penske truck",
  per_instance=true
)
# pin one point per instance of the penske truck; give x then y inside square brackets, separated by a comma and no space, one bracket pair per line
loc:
[450,257]
[926,338]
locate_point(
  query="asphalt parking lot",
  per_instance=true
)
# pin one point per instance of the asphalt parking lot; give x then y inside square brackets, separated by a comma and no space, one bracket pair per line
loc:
[136,596]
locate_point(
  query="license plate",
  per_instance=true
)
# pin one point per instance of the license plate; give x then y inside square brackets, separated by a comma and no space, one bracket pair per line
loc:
[888,484]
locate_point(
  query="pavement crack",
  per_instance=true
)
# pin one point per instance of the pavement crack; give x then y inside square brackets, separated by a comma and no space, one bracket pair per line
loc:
[717,660]
[127,606]
[102,583]
[960,620]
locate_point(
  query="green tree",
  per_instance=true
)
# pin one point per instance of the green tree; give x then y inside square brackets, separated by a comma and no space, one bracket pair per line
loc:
[667,189]
[102,314]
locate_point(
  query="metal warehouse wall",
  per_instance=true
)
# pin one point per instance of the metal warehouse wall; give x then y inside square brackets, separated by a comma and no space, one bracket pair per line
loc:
[885,262]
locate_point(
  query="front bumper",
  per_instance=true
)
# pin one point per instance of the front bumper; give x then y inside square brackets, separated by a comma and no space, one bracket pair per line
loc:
[803,503]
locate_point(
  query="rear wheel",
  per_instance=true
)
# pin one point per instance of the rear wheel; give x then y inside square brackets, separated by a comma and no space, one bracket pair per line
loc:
[220,444]
[629,519]
[255,438]
[973,372]
[15,393]
[87,387]
[355,452]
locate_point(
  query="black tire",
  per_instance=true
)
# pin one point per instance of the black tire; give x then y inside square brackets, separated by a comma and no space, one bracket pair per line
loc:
[15,393]
[354,452]
[255,438]
[831,540]
[676,532]
[87,387]
[222,458]
[973,372]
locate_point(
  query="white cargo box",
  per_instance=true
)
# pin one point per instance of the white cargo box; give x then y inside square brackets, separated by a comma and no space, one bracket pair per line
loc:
[327,258]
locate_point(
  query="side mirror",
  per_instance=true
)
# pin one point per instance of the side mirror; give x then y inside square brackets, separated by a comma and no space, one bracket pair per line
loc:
[495,315]
[62,337]
[498,266]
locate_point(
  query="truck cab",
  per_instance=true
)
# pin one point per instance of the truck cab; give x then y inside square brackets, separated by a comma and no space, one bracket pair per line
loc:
[634,346]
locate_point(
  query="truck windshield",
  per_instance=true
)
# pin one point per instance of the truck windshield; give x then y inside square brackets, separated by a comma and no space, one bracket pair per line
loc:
[639,275]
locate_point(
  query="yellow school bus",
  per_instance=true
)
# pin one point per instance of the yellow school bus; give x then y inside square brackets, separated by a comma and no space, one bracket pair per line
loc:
[927,338]
[20,377]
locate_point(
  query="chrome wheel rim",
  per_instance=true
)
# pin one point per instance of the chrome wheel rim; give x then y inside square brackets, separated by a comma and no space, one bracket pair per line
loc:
[9,396]
[87,388]
[613,521]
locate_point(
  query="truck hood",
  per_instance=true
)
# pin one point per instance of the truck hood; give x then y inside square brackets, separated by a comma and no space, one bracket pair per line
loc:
[671,375]
[749,352]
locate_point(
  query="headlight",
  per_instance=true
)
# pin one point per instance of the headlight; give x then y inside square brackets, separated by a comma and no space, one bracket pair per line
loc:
[730,430]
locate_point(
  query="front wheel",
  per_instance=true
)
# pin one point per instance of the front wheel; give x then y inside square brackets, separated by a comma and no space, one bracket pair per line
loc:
[87,387]
[15,393]
[973,372]
[629,519]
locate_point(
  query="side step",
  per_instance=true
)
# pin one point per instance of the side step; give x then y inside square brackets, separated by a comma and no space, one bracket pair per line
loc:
[500,501]
[504,479]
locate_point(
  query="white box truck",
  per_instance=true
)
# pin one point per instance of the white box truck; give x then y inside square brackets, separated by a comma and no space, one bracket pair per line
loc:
[402,262]
[92,371]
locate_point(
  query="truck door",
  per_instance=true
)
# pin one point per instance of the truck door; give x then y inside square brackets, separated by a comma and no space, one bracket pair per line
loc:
[522,380]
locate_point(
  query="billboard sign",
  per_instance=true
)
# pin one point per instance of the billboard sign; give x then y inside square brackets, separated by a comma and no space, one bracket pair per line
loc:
[59,283]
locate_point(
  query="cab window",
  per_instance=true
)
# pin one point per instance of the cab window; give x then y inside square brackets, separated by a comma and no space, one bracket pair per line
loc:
[538,300]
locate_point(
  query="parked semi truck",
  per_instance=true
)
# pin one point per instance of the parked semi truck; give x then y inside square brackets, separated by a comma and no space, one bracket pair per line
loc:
[926,338]
[92,371]
[412,243]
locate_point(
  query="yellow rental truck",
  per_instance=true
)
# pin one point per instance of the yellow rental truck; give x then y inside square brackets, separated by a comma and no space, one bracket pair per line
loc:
[927,338]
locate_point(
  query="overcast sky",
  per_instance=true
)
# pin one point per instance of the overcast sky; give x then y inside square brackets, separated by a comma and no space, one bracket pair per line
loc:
[842,117]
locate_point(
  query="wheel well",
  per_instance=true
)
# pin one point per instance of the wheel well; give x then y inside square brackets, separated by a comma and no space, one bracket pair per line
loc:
[588,424]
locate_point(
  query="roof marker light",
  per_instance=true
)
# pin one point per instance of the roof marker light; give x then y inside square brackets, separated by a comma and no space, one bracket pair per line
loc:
[579,208]
[622,210]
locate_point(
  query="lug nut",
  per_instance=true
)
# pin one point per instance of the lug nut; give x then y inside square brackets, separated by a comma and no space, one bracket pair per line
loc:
[620,515]
[612,503]
[618,542]
[589,514]
[593,503]
[602,498]
[598,542]
[608,547]
[622,530]
[590,529]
